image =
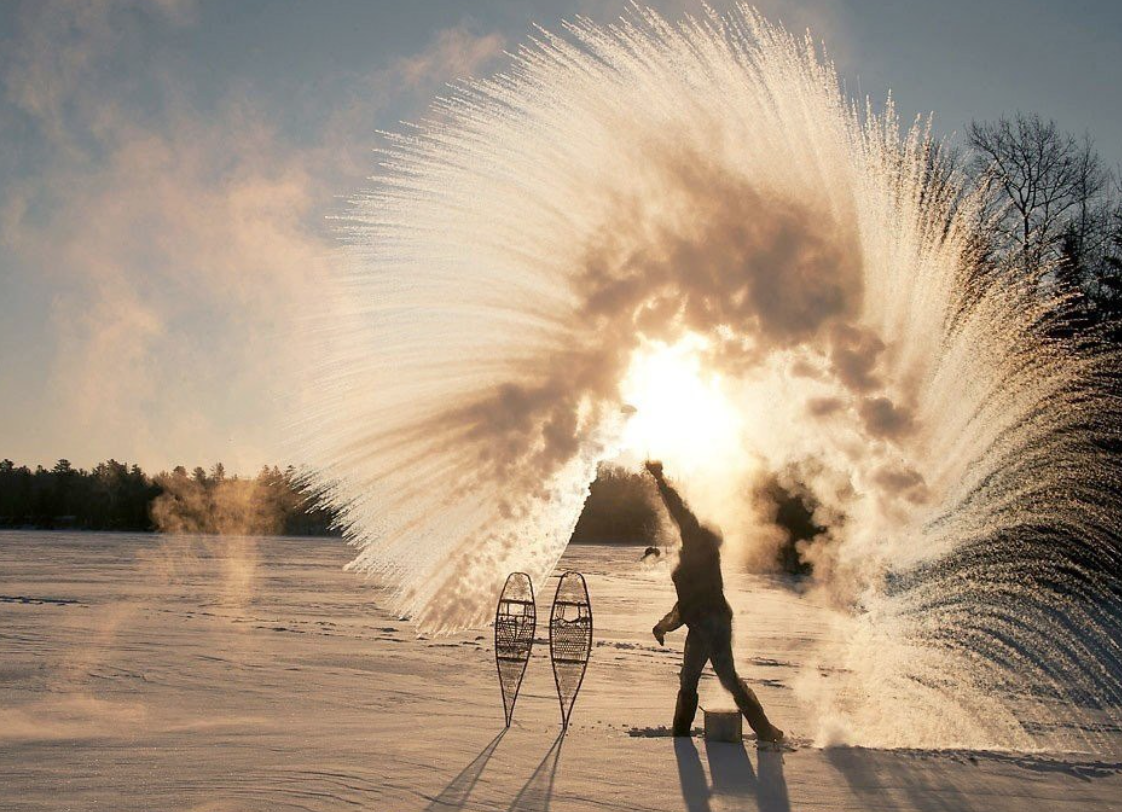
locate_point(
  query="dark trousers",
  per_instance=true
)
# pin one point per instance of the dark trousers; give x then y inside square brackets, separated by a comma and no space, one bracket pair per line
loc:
[710,640]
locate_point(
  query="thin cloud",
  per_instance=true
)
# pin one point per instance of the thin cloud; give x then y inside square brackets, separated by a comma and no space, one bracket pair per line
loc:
[181,244]
[453,54]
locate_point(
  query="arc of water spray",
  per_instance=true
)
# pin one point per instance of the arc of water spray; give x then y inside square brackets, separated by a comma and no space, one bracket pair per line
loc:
[649,181]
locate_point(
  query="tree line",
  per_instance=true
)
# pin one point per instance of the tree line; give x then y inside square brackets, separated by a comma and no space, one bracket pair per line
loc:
[620,509]
[117,496]
[121,497]
[622,506]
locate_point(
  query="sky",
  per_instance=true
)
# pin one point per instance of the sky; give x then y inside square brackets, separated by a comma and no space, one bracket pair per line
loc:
[169,170]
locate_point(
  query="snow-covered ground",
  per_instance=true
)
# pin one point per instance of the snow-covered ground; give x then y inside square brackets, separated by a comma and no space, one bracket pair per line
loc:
[207,674]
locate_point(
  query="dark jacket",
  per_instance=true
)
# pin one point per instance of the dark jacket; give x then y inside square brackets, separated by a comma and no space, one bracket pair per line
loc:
[697,577]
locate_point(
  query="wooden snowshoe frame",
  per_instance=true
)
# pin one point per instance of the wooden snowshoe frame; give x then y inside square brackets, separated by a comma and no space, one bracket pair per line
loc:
[570,639]
[516,622]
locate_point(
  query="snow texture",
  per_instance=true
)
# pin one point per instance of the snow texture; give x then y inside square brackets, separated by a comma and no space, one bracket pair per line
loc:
[134,678]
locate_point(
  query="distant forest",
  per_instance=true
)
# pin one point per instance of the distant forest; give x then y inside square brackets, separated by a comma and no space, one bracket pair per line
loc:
[621,506]
[620,509]
[117,496]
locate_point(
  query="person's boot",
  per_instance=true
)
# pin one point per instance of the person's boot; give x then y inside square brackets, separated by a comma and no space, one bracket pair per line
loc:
[684,712]
[776,735]
[753,712]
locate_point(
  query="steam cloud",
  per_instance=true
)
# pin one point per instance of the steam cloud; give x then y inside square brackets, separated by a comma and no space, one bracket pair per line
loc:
[480,417]
[649,185]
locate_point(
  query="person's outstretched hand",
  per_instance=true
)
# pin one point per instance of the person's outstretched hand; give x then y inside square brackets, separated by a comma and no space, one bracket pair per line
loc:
[655,468]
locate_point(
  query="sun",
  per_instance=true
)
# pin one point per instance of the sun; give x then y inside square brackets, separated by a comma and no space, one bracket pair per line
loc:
[682,413]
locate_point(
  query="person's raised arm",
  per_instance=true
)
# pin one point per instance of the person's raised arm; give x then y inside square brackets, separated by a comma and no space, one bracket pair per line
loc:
[675,506]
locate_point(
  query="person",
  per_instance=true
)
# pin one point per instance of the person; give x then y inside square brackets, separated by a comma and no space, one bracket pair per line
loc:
[703,609]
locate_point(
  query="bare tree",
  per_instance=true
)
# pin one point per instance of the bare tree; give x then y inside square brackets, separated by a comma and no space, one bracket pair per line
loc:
[1050,189]
[1106,288]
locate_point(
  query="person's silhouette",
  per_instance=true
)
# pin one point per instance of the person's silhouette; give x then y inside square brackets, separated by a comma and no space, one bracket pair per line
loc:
[703,609]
